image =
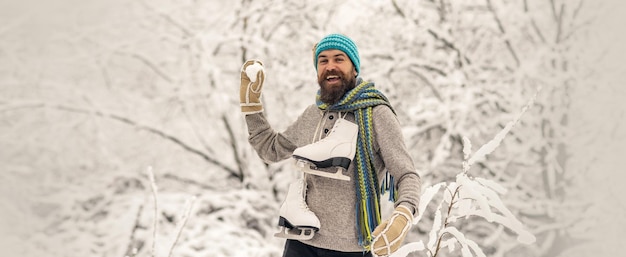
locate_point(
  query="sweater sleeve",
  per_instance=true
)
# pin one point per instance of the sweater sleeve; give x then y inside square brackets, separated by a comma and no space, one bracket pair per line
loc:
[271,146]
[396,158]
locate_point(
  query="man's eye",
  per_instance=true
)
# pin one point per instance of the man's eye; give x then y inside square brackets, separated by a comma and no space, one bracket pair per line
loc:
[323,61]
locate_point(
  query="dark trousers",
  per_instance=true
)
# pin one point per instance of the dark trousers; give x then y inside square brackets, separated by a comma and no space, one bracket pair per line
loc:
[294,248]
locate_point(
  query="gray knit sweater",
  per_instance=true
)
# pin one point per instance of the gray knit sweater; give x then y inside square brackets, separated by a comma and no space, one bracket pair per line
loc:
[334,201]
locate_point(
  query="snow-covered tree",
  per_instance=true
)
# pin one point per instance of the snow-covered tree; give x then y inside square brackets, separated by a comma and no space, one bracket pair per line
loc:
[93,92]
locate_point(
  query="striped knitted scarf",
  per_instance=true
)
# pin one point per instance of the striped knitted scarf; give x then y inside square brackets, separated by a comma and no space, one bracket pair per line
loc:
[361,100]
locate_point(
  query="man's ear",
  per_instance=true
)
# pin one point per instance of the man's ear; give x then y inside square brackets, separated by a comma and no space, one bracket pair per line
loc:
[354,71]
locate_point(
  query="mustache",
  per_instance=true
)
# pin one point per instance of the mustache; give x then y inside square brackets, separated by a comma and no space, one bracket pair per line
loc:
[331,72]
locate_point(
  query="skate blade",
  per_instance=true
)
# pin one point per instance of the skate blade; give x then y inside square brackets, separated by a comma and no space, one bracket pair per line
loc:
[305,167]
[305,234]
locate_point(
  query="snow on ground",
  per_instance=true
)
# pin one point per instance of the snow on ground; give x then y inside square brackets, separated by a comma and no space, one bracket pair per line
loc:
[116,219]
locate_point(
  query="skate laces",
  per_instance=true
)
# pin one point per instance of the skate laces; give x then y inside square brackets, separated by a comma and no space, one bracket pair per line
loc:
[332,130]
[302,189]
[317,129]
[341,119]
[303,205]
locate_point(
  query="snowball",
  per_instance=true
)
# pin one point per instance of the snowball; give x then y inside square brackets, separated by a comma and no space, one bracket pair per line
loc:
[253,70]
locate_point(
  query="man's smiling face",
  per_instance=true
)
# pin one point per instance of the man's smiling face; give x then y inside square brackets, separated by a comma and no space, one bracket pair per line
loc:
[335,74]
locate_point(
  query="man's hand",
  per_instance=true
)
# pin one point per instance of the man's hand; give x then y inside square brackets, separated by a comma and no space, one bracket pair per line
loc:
[252,77]
[390,234]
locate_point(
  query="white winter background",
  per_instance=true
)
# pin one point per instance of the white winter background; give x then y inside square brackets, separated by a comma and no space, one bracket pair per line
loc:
[94,94]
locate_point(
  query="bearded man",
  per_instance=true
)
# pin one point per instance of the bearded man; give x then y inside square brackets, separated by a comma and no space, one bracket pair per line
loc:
[348,210]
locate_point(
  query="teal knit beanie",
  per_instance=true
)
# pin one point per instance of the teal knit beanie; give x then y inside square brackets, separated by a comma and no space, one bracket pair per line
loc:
[342,43]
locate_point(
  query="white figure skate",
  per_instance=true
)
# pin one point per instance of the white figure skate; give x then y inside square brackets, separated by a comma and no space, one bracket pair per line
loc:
[295,215]
[335,150]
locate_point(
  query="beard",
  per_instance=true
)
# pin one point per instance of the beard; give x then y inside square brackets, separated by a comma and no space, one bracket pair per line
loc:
[332,94]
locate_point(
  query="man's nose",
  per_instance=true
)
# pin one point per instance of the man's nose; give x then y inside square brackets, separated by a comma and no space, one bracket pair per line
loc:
[331,66]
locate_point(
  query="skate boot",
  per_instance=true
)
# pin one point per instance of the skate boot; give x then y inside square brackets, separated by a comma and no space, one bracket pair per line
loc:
[335,150]
[296,221]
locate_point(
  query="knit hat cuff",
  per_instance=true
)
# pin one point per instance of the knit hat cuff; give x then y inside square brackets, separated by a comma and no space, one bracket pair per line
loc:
[342,43]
